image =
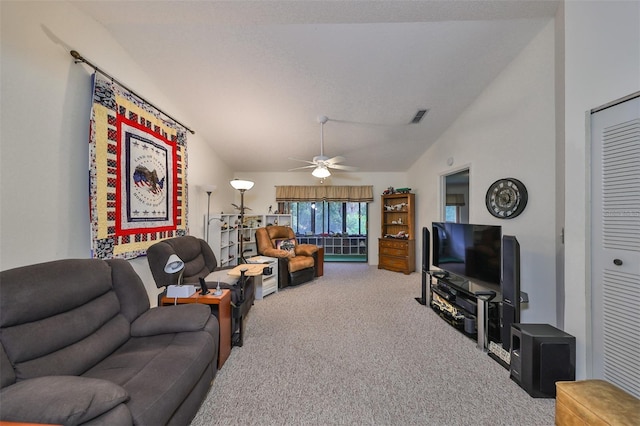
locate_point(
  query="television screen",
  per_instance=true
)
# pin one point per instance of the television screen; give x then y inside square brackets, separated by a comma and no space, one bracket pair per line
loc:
[470,251]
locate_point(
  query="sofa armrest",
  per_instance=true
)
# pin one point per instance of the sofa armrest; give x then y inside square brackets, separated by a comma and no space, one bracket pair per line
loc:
[60,399]
[171,319]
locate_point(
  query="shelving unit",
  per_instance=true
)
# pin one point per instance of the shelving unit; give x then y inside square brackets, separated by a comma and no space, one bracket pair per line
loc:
[397,245]
[355,245]
[224,234]
[248,233]
[223,238]
[277,219]
[471,308]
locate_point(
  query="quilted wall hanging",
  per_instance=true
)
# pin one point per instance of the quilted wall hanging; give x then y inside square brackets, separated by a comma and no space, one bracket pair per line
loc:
[137,174]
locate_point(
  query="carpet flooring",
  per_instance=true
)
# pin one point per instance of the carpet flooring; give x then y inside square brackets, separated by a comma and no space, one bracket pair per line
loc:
[355,348]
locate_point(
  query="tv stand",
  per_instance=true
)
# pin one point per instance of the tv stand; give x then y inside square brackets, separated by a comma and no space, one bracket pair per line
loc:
[471,308]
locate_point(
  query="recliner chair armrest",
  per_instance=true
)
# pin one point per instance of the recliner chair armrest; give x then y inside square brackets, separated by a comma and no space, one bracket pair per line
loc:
[171,319]
[60,399]
[306,249]
[279,253]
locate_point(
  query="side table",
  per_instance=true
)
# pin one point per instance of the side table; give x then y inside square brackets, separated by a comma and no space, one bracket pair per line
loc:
[265,284]
[320,265]
[221,304]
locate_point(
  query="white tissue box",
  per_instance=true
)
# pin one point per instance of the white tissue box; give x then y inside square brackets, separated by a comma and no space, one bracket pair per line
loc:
[180,290]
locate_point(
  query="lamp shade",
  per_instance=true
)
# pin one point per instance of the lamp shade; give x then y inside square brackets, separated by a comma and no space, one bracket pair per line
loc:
[209,188]
[174,264]
[321,172]
[242,185]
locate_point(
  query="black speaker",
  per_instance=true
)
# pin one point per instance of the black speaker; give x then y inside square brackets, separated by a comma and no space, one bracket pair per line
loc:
[510,288]
[426,240]
[541,355]
[426,244]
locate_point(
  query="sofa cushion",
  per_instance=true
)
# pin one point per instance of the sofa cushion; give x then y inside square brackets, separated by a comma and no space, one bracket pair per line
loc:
[132,295]
[31,293]
[159,371]
[60,318]
[7,374]
[65,400]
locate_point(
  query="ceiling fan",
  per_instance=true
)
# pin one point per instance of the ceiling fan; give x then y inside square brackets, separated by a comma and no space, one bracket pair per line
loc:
[321,163]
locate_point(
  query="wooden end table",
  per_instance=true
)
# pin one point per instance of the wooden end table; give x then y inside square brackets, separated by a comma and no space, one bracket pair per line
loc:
[320,265]
[223,305]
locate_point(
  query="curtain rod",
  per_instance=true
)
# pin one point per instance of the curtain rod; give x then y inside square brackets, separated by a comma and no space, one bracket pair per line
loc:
[80,59]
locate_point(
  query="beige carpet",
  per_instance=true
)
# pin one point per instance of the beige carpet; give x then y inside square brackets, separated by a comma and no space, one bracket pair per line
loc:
[354,347]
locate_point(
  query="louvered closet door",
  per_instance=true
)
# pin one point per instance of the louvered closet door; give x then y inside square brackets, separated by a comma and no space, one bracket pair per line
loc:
[615,253]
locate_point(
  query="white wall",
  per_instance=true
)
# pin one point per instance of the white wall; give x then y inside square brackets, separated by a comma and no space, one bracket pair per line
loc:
[44,134]
[509,131]
[263,194]
[602,63]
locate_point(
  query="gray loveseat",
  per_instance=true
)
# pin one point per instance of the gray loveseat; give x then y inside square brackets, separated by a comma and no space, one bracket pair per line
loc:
[81,345]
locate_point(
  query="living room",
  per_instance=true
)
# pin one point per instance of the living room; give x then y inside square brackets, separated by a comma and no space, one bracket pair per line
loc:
[529,123]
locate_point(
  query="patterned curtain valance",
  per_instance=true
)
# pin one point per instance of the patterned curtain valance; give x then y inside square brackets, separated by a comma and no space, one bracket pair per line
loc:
[352,194]
[455,200]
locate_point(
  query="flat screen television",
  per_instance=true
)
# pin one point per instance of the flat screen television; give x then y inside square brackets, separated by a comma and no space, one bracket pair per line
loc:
[469,251]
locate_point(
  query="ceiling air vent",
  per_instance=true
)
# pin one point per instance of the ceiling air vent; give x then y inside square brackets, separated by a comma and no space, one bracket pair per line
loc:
[421,113]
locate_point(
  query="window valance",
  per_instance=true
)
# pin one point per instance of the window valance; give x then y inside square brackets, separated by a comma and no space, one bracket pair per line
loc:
[344,193]
[455,200]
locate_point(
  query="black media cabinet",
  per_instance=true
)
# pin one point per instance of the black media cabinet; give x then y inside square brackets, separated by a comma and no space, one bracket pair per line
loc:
[471,308]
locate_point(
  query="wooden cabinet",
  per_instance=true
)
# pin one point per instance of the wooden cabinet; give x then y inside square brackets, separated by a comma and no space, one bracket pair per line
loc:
[397,245]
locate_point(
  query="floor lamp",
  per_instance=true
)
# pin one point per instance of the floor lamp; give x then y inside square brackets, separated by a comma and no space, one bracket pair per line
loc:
[208,189]
[242,186]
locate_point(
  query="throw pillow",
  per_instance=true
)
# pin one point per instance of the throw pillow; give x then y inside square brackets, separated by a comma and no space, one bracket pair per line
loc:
[287,245]
[60,399]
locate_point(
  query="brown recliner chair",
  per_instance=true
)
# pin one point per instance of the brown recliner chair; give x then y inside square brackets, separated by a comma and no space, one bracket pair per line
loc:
[296,262]
[199,262]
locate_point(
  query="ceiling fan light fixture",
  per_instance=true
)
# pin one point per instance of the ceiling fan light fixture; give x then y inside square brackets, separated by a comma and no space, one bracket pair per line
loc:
[321,172]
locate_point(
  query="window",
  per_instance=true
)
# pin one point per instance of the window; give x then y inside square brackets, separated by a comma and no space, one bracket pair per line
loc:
[322,217]
[452,214]
[341,227]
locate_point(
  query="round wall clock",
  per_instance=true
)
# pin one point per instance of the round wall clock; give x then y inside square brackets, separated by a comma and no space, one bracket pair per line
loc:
[506,198]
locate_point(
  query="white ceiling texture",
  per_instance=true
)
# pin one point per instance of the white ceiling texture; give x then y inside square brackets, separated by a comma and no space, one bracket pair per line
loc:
[255,76]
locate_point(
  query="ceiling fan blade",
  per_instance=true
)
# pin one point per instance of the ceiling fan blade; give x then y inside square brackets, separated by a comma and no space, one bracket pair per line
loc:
[342,167]
[304,161]
[336,159]
[303,167]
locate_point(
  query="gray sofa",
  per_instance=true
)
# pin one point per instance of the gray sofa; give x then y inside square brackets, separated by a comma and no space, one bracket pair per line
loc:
[80,345]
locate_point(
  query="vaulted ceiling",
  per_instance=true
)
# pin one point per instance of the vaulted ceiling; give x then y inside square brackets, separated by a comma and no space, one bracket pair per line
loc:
[252,78]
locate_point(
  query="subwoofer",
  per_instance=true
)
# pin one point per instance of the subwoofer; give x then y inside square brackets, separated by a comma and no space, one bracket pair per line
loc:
[541,355]
[510,288]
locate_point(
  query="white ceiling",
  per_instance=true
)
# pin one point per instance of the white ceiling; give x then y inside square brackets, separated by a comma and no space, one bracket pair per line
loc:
[253,77]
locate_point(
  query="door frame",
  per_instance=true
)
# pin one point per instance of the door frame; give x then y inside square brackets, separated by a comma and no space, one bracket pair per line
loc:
[589,231]
[443,188]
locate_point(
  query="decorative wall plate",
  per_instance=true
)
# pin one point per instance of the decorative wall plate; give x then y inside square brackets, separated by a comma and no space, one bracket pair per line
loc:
[506,198]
